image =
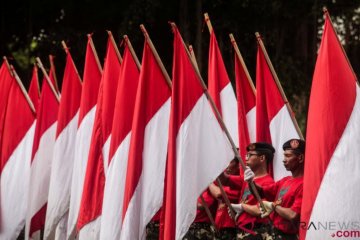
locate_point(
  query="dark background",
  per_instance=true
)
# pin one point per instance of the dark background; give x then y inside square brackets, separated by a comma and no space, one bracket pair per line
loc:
[291,30]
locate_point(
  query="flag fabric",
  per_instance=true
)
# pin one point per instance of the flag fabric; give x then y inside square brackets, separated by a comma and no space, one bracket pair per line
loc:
[198,150]
[63,158]
[273,120]
[89,94]
[246,102]
[6,80]
[119,147]
[220,89]
[41,160]
[145,174]
[88,223]
[332,166]
[34,89]
[16,149]
[52,73]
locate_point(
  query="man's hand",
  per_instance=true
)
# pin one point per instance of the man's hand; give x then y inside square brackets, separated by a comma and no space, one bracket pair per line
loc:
[238,210]
[248,174]
[269,207]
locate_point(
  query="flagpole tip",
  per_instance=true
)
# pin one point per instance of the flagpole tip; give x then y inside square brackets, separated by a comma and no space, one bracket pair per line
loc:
[325,10]
[258,36]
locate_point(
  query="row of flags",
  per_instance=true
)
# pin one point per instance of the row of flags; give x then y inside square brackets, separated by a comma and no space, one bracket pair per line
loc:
[126,143]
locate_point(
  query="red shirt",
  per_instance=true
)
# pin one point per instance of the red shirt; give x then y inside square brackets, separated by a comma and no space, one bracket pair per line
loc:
[201,215]
[248,198]
[222,218]
[290,191]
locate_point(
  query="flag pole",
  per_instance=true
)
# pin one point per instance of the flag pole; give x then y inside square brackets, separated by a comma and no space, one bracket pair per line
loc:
[207,210]
[52,66]
[23,90]
[222,124]
[327,14]
[127,41]
[239,56]
[156,55]
[66,49]
[47,78]
[94,51]
[37,79]
[277,81]
[115,47]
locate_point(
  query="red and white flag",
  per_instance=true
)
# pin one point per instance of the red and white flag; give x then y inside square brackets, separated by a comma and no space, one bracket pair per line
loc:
[145,174]
[198,149]
[220,89]
[41,161]
[246,102]
[88,223]
[34,89]
[330,205]
[6,80]
[119,147]
[18,135]
[89,94]
[63,158]
[273,121]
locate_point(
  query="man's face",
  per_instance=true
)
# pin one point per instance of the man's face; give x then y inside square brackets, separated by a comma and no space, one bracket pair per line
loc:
[252,159]
[233,168]
[291,160]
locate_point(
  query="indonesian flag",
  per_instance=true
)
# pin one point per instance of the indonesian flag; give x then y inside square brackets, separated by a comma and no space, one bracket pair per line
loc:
[145,174]
[89,94]
[41,161]
[220,89]
[332,166]
[198,149]
[63,158]
[273,120]
[246,102]
[34,89]
[119,148]
[6,80]
[88,223]
[16,149]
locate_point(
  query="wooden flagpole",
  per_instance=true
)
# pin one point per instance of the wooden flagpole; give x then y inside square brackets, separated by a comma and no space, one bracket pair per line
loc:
[47,78]
[207,210]
[222,124]
[18,81]
[37,79]
[95,53]
[239,56]
[156,55]
[241,162]
[133,54]
[66,49]
[261,44]
[327,14]
[115,46]
[52,66]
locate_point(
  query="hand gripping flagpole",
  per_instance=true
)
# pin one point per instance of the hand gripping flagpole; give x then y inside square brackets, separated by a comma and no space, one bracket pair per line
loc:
[222,124]
[251,183]
[17,78]
[239,56]
[66,49]
[327,14]
[41,66]
[278,84]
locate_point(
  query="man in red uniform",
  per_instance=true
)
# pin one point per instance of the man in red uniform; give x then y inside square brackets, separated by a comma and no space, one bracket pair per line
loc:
[251,225]
[285,196]
[225,224]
